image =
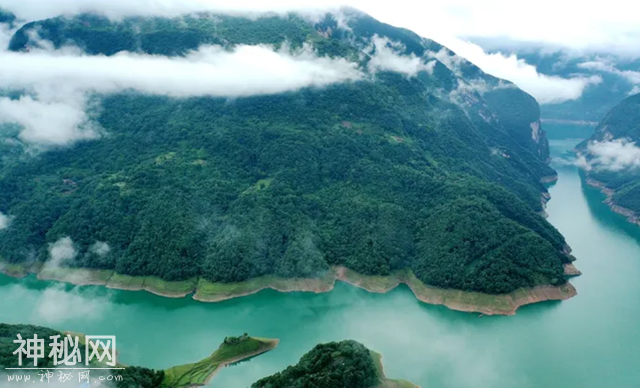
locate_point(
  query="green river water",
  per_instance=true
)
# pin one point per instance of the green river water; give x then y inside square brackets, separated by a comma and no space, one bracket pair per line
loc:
[590,341]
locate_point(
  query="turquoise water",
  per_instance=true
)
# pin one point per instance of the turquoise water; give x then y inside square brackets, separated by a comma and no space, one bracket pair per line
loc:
[590,341]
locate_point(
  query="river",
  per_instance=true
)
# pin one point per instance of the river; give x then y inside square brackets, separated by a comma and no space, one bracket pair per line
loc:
[590,341]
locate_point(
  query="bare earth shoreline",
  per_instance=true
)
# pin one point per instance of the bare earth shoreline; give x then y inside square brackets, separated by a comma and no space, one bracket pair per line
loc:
[630,214]
[205,291]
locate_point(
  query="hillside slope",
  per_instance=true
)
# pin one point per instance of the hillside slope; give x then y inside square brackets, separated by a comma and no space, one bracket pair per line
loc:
[438,170]
[614,160]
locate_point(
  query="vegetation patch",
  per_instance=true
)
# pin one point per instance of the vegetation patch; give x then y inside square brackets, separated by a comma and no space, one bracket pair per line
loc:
[125,282]
[207,291]
[78,276]
[162,287]
[232,350]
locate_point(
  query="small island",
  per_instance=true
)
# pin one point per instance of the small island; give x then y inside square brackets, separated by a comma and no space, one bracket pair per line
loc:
[232,350]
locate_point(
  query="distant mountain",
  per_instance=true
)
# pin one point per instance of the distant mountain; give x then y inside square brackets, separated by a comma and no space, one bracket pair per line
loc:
[618,79]
[612,156]
[7,17]
[439,171]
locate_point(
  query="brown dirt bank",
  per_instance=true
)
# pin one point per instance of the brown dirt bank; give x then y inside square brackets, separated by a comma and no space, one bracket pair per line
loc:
[488,304]
[630,214]
[571,270]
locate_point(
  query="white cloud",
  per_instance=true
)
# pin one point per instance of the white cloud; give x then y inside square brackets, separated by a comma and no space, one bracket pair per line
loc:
[61,251]
[209,71]
[59,81]
[4,221]
[614,155]
[607,67]
[57,305]
[386,56]
[450,60]
[546,89]
[100,248]
[48,122]
[446,21]
[39,9]
[592,26]
[600,65]
[5,36]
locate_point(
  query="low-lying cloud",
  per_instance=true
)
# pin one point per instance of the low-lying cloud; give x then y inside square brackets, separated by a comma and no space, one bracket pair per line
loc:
[100,248]
[387,56]
[608,67]
[209,71]
[615,155]
[49,122]
[6,32]
[4,221]
[61,251]
[57,305]
[58,82]
[545,88]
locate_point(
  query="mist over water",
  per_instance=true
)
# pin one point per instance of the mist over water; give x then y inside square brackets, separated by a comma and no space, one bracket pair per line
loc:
[590,341]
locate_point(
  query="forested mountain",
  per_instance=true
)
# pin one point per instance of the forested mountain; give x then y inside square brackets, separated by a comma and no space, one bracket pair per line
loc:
[614,158]
[438,170]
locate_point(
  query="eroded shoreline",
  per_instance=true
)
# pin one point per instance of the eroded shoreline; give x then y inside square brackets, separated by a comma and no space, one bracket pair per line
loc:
[628,213]
[205,291]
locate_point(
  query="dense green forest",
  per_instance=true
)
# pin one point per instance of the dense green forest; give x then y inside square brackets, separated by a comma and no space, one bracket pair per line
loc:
[132,376]
[381,174]
[346,364]
[622,123]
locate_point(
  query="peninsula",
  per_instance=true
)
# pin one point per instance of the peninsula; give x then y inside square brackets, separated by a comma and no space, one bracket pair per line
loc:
[232,350]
